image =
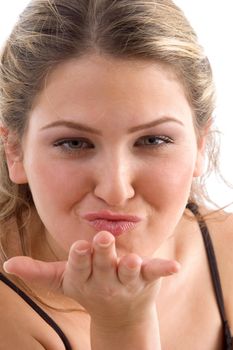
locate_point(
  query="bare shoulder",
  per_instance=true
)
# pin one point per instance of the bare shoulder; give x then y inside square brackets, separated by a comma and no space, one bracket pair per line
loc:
[220,225]
[21,328]
[12,339]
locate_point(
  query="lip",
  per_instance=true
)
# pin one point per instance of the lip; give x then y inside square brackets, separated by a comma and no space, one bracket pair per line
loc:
[112,222]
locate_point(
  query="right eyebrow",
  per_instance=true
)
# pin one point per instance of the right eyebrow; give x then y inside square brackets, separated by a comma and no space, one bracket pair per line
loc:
[72,125]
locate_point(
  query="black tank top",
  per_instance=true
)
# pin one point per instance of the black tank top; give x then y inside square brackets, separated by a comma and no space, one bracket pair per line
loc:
[227,339]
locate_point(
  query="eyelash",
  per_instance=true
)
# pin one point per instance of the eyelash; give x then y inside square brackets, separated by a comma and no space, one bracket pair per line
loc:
[85,144]
[63,145]
[160,141]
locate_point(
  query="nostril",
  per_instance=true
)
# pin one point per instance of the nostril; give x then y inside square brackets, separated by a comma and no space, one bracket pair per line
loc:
[113,194]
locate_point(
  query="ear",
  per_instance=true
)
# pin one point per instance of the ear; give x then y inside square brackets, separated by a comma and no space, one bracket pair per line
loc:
[14,156]
[200,160]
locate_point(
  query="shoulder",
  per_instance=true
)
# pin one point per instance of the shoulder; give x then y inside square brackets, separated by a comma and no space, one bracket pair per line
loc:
[12,337]
[14,334]
[220,226]
[21,327]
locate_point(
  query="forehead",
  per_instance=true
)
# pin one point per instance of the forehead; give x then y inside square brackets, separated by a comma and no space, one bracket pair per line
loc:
[99,85]
[102,67]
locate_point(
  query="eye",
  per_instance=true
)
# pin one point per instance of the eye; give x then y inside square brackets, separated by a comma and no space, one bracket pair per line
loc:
[73,145]
[153,141]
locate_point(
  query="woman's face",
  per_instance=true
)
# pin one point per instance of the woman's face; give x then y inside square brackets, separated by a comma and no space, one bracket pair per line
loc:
[109,137]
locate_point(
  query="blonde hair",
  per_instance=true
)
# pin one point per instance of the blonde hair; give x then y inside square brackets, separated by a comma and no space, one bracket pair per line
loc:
[49,32]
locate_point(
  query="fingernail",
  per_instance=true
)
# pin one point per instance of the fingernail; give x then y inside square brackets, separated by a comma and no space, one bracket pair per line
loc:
[82,251]
[5,265]
[133,266]
[134,263]
[176,268]
[105,240]
[82,248]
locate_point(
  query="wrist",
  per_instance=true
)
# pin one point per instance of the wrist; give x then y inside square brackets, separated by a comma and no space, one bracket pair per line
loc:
[117,321]
[136,334]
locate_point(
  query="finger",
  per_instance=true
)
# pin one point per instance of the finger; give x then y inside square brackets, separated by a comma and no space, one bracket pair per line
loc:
[129,269]
[104,255]
[155,268]
[78,268]
[38,273]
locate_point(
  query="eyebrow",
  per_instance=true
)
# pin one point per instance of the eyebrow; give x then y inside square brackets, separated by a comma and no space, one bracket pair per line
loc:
[81,127]
[155,122]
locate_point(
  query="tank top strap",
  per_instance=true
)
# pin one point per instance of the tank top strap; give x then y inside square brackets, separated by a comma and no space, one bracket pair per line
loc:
[37,309]
[214,273]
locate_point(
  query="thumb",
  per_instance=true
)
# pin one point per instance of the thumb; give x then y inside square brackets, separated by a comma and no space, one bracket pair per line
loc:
[40,274]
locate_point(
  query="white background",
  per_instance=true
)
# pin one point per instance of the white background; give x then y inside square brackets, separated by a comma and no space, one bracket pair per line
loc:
[213,22]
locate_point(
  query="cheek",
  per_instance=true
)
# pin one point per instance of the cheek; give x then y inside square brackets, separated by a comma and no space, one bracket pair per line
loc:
[57,185]
[168,181]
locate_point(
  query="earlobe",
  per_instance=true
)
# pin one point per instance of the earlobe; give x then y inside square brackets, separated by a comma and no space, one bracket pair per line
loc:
[200,160]
[14,157]
[16,171]
[199,166]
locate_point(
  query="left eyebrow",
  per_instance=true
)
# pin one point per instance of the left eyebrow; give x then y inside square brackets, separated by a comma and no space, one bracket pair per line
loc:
[155,122]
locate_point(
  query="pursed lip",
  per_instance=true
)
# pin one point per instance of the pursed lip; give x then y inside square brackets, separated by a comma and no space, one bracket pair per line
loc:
[112,222]
[107,215]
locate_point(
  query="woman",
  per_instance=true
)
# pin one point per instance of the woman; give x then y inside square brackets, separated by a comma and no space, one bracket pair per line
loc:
[106,113]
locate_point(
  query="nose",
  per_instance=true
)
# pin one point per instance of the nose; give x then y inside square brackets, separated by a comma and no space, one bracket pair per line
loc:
[114,182]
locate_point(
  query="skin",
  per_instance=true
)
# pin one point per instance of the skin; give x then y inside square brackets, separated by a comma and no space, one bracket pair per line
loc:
[113,172]
[115,279]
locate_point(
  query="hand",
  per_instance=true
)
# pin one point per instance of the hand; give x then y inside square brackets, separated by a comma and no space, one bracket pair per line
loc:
[108,287]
